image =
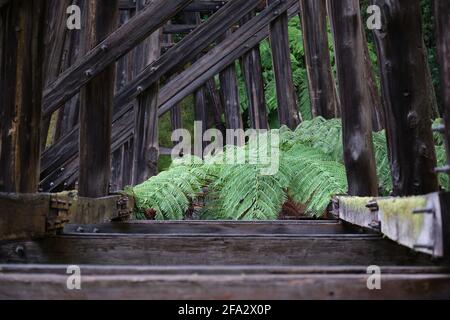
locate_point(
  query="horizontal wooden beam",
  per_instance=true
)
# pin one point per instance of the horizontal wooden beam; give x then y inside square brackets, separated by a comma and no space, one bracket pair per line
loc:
[260,286]
[423,228]
[124,39]
[303,250]
[27,216]
[213,228]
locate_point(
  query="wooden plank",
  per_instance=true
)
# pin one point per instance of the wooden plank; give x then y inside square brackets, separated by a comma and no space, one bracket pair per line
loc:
[97,107]
[442,12]
[180,86]
[230,97]
[354,96]
[252,71]
[407,98]
[100,210]
[146,137]
[217,106]
[317,55]
[358,215]
[281,56]
[108,51]
[22,28]
[23,216]
[230,287]
[90,270]
[303,250]
[422,228]
[217,228]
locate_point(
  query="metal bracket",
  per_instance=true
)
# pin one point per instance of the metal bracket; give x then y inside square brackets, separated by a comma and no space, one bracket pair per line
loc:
[59,214]
[124,210]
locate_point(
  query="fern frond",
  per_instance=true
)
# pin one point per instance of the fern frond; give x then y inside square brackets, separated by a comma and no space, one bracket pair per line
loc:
[317,178]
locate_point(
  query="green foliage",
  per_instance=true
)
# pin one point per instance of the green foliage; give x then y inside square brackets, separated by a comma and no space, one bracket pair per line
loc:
[317,178]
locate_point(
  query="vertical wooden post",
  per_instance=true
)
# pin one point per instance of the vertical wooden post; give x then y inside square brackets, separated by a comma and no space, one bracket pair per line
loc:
[315,41]
[217,106]
[22,39]
[146,138]
[442,15]
[254,82]
[354,97]
[406,96]
[97,106]
[229,91]
[55,61]
[287,97]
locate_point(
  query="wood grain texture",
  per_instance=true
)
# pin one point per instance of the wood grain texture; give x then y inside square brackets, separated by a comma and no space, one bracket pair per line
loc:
[354,96]
[288,113]
[442,14]
[114,47]
[146,143]
[303,250]
[215,228]
[226,287]
[317,54]
[97,107]
[254,83]
[406,97]
[22,33]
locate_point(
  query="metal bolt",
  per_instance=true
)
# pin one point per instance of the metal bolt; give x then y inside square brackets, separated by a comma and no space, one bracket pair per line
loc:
[139,89]
[88,73]
[373,206]
[429,210]
[424,246]
[20,251]
[104,47]
[375,225]
[95,230]
[80,230]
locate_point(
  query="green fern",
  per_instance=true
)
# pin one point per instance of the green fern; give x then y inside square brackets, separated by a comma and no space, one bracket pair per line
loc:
[317,178]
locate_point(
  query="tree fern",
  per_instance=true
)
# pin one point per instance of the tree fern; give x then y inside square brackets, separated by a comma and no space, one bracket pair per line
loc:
[317,178]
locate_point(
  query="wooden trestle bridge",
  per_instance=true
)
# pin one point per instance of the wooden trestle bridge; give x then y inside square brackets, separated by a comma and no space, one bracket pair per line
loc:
[97,93]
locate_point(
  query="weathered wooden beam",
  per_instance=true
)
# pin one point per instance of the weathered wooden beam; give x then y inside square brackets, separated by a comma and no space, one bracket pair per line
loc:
[238,284]
[288,113]
[109,50]
[221,56]
[97,107]
[419,223]
[29,216]
[216,102]
[354,96]
[187,49]
[229,91]
[213,228]
[324,101]
[22,37]
[252,71]
[146,143]
[224,250]
[64,153]
[406,97]
[179,28]
[442,14]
